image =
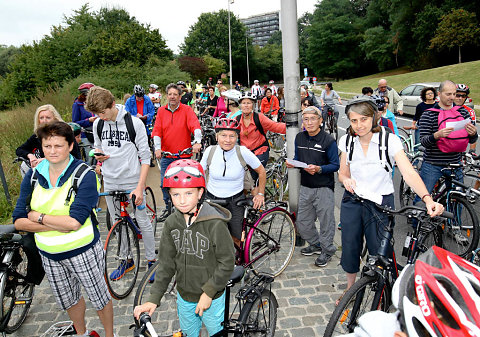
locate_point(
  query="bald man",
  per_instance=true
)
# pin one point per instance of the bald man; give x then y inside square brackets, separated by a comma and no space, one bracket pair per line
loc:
[396,101]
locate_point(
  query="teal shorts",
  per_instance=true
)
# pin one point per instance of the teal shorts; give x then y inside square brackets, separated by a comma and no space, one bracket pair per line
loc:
[191,323]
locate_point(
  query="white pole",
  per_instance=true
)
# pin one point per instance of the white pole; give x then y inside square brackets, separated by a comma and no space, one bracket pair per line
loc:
[291,79]
[248,70]
[230,44]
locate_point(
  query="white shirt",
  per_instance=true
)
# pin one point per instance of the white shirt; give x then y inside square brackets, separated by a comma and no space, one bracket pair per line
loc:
[372,180]
[155,95]
[231,183]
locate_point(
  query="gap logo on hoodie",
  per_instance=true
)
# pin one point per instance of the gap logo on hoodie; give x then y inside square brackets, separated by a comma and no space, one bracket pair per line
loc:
[185,244]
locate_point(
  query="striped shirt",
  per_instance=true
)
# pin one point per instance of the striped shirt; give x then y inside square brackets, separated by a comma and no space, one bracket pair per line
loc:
[428,125]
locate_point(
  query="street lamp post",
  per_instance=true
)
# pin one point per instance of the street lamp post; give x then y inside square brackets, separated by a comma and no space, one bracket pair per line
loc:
[230,44]
[248,70]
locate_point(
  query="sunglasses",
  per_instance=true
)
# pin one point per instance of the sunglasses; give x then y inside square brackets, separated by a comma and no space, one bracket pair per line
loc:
[193,171]
[460,95]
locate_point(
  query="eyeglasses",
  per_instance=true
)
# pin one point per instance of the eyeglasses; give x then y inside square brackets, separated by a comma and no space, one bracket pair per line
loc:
[193,171]
[311,119]
[460,95]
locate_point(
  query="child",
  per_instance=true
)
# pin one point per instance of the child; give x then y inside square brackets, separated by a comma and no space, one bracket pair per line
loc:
[197,249]
[121,168]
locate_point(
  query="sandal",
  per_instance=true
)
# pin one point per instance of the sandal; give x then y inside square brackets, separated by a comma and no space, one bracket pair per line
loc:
[340,298]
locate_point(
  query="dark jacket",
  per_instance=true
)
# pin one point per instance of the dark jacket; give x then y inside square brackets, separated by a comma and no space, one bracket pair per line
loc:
[80,115]
[320,150]
[201,257]
[34,145]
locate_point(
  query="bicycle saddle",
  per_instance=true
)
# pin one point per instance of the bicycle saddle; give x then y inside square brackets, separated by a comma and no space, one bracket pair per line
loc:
[237,275]
[245,202]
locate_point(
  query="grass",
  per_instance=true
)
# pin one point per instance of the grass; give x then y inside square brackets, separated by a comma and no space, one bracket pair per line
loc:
[399,78]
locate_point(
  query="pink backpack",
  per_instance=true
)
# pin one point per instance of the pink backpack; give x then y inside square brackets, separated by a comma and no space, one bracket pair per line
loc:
[457,141]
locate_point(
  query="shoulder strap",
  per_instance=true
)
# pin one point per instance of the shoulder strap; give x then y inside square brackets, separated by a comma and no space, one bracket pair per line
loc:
[130,128]
[209,161]
[256,120]
[77,176]
[349,146]
[100,124]
[383,150]
[240,157]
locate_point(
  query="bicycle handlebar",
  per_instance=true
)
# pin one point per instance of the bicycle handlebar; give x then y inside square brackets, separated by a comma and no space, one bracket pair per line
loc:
[145,322]
[185,151]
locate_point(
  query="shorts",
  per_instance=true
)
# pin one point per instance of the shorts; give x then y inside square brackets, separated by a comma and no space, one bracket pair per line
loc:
[191,323]
[86,269]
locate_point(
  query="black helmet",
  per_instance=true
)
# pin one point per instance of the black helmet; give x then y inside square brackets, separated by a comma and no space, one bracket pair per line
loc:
[182,83]
[361,99]
[138,90]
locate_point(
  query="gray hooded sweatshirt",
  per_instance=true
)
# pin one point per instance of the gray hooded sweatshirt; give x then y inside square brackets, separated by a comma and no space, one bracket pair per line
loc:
[123,166]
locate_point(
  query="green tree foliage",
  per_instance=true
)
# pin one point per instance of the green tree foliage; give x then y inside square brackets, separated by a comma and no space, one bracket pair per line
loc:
[304,23]
[215,66]
[209,35]
[7,55]
[87,40]
[378,47]
[195,66]
[335,36]
[267,63]
[456,29]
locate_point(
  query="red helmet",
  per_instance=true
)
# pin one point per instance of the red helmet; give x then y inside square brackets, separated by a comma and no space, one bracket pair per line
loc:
[85,87]
[439,294]
[184,173]
[227,124]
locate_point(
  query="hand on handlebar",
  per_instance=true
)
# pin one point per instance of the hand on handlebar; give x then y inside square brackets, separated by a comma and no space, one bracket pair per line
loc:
[196,147]
[158,154]
[147,307]
[433,208]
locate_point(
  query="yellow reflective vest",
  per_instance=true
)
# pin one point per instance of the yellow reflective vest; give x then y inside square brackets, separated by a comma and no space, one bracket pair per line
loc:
[53,202]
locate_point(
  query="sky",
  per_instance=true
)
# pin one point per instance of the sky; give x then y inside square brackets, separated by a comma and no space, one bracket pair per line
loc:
[25,21]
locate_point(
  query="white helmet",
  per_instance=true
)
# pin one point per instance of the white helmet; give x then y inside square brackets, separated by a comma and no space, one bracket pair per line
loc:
[247,94]
[154,86]
[232,94]
[256,81]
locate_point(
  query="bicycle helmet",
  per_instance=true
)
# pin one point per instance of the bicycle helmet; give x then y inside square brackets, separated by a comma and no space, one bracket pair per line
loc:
[463,88]
[182,83]
[232,94]
[360,99]
[248,95]
[379,101]
[75,128]
[271,82]
[227,124]
[138,90]
[154,86]
[85,87]
[184,173]
[256,81]
[439,295]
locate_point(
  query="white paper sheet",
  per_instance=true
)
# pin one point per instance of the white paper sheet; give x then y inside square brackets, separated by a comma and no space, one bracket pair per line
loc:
[458,125]
[297,163]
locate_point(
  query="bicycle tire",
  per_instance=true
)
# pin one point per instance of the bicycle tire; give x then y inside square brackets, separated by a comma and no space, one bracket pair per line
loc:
[354,303]
[274,186]
[406,195]
[465,223]
[259,318]
[276,225]
[121,233]
[151,207]
[404,136]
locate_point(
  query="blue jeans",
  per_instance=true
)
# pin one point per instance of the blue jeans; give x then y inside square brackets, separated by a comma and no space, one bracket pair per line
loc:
[417,136]
[164,162]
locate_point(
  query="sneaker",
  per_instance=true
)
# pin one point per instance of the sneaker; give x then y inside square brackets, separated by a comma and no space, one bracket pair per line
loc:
[323,259]
[460,238]
[299,241]
[152,279]
[311,249]
[124,267]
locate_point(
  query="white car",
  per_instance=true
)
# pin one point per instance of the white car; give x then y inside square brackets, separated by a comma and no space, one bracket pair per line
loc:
[411,96]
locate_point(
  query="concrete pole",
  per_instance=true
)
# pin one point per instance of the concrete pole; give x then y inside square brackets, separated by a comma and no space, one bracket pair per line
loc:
[230,45]
[291,80]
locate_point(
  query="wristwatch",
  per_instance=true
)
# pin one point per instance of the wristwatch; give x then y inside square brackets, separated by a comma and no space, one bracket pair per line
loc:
[40,218]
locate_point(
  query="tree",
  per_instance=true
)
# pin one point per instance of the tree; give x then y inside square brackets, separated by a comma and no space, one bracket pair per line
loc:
[378,47]
[195,66]
[209,35]
[267,63]
[215,66]
[456,29]
[7,55]
[304,23]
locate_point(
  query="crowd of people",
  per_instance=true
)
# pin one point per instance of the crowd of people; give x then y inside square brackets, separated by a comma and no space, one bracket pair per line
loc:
[68,239]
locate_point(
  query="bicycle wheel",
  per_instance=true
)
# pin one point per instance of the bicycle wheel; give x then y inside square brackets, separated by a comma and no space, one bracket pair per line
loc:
[271,242]
[404,137]
[151,207]
[259,318]
[356,301]
[405,192]
[460,235]
[122,259]
[276,141]
[274,186]
[16,295]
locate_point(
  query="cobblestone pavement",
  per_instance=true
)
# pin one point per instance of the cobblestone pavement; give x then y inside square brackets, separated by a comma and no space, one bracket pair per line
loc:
[305,294]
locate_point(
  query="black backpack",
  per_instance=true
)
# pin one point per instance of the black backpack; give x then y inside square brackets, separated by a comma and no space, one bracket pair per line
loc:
[128,122]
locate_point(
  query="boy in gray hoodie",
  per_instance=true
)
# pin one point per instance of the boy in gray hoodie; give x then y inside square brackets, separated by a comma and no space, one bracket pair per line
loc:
[196,248]
[125,163]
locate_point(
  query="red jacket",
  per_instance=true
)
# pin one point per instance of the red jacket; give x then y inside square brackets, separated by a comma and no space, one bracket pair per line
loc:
[175,128]
[272,106]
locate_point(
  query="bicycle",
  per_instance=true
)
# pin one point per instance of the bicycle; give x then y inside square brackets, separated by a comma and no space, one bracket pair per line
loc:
[330,122]
[255,311]
[16,292]
[177,155]
[122,249]
[277,179]
[373,290]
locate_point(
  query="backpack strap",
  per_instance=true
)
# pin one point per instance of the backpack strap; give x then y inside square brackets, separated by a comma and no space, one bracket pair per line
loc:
[240,157]
[77,176]
[100,125]
[209,161]
[256,120]
[383,150]
[349,146]
[129,124]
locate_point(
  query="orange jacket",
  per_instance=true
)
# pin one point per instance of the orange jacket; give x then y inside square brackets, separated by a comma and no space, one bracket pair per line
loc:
[272,106]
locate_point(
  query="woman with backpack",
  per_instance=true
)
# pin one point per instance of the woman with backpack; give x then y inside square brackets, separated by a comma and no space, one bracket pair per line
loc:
[225,167]
[253,129]
[368,154]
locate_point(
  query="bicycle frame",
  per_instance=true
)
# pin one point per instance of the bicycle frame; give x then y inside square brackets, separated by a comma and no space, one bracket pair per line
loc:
[123,199]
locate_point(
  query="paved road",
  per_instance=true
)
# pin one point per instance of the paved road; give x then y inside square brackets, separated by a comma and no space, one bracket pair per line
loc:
[305,293]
